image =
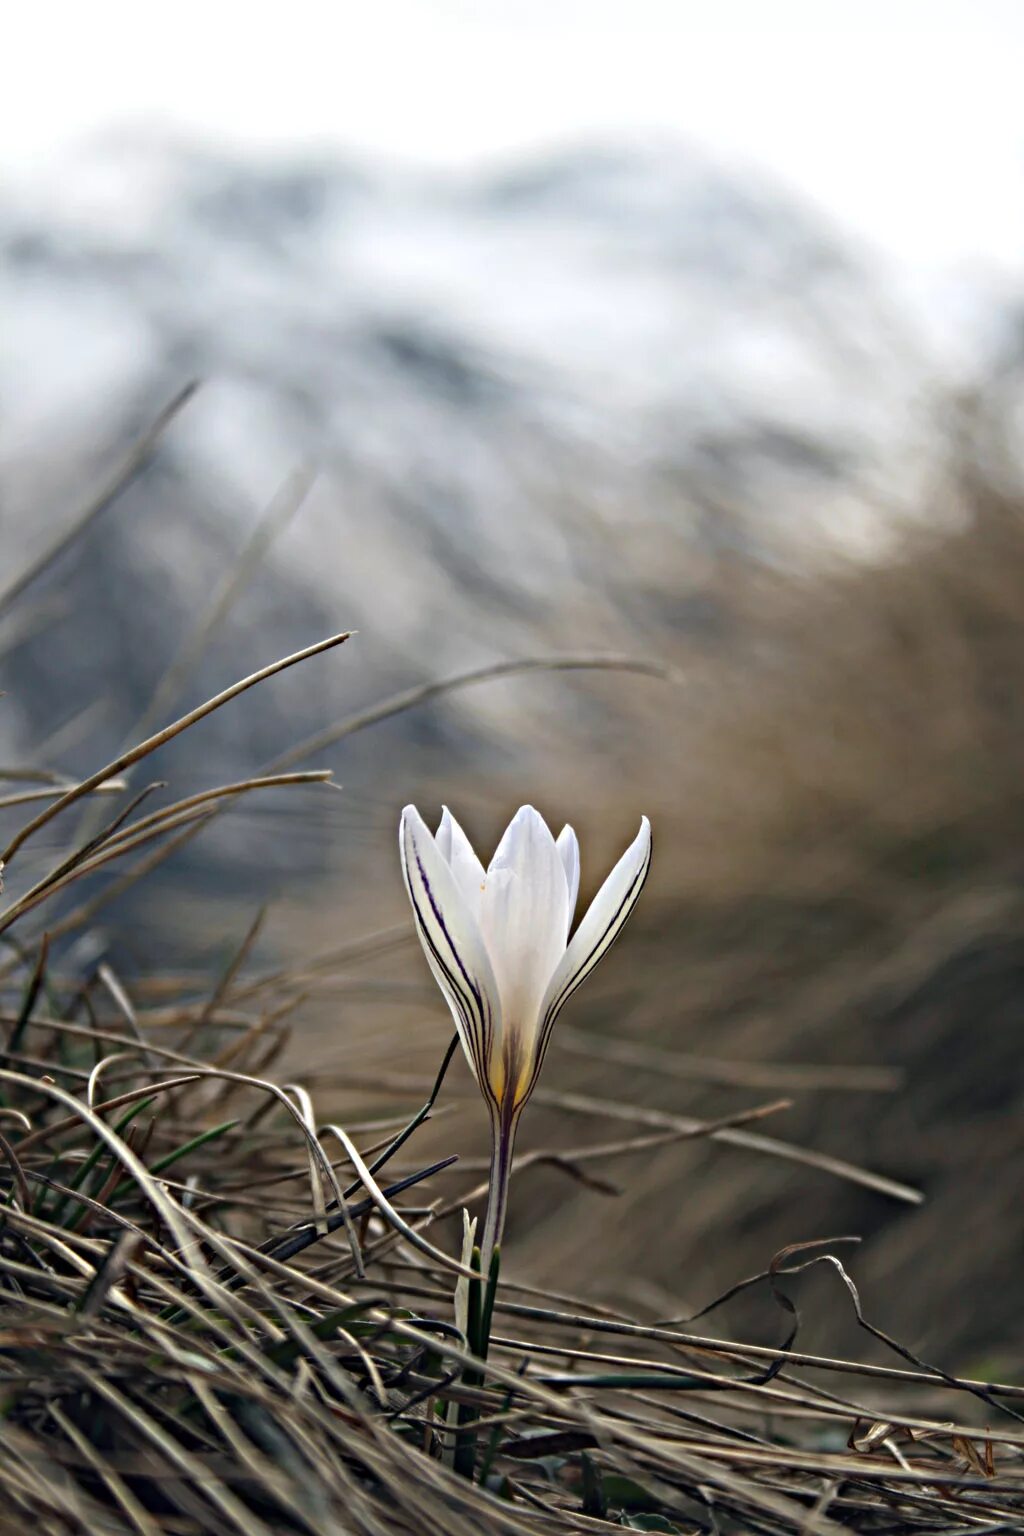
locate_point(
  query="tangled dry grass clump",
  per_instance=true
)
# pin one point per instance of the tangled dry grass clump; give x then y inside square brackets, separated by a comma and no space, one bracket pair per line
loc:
[215,1319]
[225,1309]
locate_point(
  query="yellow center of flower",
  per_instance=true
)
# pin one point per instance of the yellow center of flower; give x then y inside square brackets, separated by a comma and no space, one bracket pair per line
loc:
[509,1079]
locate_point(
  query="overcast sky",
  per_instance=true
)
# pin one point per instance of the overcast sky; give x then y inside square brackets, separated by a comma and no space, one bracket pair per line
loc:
[904,118]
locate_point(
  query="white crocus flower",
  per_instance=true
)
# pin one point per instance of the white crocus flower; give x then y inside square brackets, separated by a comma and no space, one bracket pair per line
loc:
[497,941]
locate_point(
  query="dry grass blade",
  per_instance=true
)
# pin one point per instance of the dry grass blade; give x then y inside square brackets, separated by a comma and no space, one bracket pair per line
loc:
[83,914]
[143,749]
[175,815]
[731,1074]
[112,843]
[388,1211]
[76,862]
[752,1141]
[112,787]
[409,698]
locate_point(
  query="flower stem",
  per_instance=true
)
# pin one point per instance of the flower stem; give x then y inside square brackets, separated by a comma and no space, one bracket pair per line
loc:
[503,1135]
[485,1260]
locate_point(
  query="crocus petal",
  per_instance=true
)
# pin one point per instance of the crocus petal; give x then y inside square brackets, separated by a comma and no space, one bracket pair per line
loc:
[458,853]
[524,917]
[604,919]
[569,850]
[599,928]
[451,941]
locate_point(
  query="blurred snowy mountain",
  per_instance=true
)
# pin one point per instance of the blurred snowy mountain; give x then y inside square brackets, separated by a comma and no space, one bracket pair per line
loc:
[540,408]
[606,315]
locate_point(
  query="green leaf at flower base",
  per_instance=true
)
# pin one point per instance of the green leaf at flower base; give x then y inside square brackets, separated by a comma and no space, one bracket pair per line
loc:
[595,1494]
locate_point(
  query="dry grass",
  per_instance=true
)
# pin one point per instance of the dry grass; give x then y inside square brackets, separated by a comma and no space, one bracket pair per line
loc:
[195,1340]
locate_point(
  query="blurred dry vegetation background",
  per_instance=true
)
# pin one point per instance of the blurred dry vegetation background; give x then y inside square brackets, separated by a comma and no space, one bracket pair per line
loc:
[611,406]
